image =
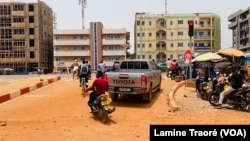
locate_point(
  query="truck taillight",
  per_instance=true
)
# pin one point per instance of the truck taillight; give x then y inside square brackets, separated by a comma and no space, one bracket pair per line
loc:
[143,80]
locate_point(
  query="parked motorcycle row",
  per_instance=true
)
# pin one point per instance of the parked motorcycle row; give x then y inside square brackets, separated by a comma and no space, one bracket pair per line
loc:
[238,99]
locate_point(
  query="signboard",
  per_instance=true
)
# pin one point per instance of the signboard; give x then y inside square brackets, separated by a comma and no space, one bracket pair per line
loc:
[187,56]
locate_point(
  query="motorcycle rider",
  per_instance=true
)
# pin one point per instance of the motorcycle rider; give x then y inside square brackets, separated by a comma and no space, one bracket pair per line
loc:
[236,81]
[83,73]
[99,86]
[169,62]
[175,67]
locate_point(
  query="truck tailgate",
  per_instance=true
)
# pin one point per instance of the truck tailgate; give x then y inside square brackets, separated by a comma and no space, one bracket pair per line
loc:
[125,79]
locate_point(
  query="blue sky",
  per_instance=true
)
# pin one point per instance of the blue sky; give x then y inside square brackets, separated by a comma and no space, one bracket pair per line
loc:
[121,13]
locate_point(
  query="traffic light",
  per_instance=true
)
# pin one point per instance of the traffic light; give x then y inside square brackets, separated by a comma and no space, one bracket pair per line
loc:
[190,28]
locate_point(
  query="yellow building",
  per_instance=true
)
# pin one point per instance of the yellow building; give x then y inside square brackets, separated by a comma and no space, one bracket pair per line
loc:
[162,36]
[94,44]
[26,36]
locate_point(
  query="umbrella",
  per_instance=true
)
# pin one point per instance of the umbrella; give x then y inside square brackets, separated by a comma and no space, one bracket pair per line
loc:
[209,56]
[231,52]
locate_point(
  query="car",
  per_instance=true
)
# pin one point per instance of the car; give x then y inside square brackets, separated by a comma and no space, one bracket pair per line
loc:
[162,66]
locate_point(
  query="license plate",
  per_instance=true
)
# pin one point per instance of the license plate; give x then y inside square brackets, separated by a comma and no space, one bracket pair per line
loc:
[206,87]
[104,103]
[124,89]
[226,86]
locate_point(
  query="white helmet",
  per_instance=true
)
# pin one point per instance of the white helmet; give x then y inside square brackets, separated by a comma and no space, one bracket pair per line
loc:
[75,60]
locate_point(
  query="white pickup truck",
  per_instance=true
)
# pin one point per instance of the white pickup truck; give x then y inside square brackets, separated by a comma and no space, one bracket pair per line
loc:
[135,76]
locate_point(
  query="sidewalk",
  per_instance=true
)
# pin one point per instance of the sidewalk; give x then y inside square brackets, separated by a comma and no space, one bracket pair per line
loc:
[23,86]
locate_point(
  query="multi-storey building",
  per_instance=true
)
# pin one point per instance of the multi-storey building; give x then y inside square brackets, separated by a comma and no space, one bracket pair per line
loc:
[26,36]
[162,36]
[94,44]
[240,26]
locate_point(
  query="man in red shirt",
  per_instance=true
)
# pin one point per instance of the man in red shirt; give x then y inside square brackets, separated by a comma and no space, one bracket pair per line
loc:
[99,86]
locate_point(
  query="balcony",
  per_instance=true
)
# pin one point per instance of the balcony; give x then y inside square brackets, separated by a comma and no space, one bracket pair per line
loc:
[71,42]
[114,42]
[72,53]
[161,49]
[202,47]
[114,52]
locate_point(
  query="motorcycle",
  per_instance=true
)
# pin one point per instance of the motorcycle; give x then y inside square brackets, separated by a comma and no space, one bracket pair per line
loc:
[239,98]
[101,108]
[173,73]
[168,73]
[202,88]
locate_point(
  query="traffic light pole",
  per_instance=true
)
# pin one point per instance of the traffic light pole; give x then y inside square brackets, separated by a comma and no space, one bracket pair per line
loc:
[190,64]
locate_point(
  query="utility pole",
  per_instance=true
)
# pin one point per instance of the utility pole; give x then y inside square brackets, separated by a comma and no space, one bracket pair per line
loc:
[83,3]
[165,6]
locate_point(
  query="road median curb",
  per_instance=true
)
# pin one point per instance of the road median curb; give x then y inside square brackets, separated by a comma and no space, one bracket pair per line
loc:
[173,106]
[26,89]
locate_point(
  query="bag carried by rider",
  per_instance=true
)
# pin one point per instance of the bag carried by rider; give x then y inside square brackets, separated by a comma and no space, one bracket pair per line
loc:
[84,69]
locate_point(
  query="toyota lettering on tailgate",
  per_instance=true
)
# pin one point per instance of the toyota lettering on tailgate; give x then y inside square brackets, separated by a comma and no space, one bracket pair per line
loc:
[124,82]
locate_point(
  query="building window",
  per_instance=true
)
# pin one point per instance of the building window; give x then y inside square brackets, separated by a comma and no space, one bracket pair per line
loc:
[180,21]
[18,19]
[143,45]
[82,48]
[150,34]
[81,37]
[149,57]
[142,23]
[171,45]
[57,48]
[31,31]
[138,45]
[150,45]
[142,34]
[32,43]
[171,22]
[138,56]
[138,34]
[114,37]
[171,56]
[114,48]
[143,57]
[172,34]
[180,44]
[58,59]
[75,37]
[150,23]
[32,54]
[138,23]
[114,58]
[57,38]
[180,33]
[31,19]
[31,7]
[75,48]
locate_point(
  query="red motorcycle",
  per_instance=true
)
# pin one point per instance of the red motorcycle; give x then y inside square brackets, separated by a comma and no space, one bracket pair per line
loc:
[239,98]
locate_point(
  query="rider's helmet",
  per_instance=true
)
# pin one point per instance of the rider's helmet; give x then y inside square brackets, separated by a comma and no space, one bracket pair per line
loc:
[99,73]
[75,60]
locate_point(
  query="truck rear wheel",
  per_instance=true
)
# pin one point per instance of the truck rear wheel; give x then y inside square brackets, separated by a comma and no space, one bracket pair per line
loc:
[148,96]
[113,96]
